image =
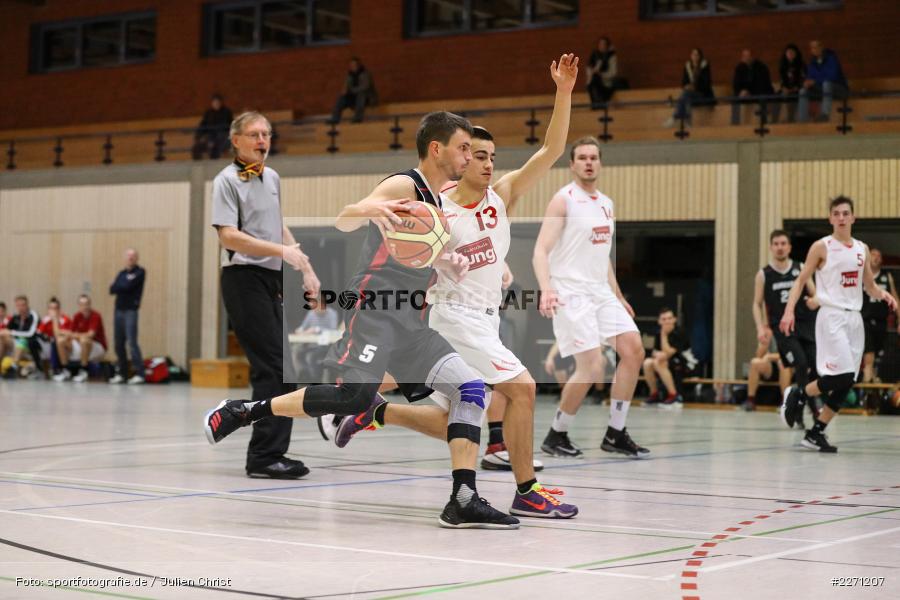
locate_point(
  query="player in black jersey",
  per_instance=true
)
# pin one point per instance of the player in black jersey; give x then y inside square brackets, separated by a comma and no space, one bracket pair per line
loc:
[397,340]
[875,316]
[773,286]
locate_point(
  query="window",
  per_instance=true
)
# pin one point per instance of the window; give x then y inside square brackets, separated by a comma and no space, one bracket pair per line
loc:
[442,17]
[260,25]
[694,8]
[101,42]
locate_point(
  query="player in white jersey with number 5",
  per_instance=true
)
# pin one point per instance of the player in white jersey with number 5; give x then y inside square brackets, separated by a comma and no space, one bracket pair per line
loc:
[580,292]
[842,266]
[467,313]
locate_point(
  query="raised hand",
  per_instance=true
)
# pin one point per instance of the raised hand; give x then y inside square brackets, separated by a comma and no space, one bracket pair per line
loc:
[565,73]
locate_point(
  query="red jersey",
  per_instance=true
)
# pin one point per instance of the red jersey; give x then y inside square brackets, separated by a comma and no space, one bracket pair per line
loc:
[46,326]
[92,322]
[4,322]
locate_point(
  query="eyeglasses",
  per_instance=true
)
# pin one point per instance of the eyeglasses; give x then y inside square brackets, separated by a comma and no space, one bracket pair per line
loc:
[259,135]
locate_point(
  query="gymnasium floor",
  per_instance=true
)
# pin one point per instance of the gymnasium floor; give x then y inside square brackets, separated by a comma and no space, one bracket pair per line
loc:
[120,484]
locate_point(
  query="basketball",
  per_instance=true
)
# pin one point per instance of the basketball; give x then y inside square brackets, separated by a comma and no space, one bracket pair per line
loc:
[419,239]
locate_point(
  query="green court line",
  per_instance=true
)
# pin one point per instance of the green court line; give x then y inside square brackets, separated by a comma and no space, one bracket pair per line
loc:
[82,590]
[621,558]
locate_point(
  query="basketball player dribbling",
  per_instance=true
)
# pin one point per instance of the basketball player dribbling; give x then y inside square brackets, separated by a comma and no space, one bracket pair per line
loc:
[842,267]
[580,292]
[378,341]
[466,312]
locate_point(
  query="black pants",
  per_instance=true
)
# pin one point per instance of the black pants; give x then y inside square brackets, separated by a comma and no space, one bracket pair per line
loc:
[599,93]
[355,101]
[253,301]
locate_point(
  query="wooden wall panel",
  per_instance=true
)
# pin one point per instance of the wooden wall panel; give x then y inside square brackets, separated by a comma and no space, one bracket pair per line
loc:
[65,241]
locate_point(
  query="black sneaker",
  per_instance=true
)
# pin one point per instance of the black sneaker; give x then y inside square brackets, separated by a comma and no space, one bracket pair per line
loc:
[621,442]
[817,441]
[477,514]
[557,443]
[793,401]
[224,419]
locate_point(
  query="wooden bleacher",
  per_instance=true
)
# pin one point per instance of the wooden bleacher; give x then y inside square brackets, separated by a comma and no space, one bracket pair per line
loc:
[134,141]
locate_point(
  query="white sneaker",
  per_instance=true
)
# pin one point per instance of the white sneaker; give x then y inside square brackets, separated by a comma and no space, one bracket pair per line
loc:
[496,458]
[63,375]
[81,376]
[116,379]
[136,380]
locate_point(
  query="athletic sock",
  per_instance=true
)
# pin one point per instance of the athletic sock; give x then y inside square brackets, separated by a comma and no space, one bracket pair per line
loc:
[819,427]
[524,488]
[562,421]
[379,413]
[464,486]
[618,411]
[260,409]
[751,399]
[495,432]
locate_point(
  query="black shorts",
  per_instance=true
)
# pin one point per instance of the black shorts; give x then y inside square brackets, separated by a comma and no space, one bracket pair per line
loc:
[566,364]
[796,349]
[773,376]
[379,342]
[876,335]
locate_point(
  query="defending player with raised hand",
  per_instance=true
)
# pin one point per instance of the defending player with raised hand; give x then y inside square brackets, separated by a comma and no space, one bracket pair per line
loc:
[466,312]
[398,341]
[580,292]
[841,264]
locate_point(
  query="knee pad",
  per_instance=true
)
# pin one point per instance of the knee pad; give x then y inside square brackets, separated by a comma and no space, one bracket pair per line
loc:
[454,379]
[835,388]
[343,399]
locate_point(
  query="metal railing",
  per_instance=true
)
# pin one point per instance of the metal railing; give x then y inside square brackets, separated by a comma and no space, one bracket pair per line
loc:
[158,141]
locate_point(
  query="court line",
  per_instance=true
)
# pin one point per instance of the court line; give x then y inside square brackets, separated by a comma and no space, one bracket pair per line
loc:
[840,564]
[68,487]
[548,569]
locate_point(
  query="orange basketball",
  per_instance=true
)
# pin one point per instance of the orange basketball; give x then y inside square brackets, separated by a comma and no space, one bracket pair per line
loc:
[419,239]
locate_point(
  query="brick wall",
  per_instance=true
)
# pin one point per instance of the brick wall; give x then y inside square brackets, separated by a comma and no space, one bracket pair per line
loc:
[180,80]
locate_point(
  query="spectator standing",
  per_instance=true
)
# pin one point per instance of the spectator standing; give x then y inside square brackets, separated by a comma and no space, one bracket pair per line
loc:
[670,352]
[55,326]
[87,343]
[696,84]
[128,288]
[358,91]
[751,78]
[246,212]
[23,329]
[601,71]
[792,71]
[212,133]
[824,80]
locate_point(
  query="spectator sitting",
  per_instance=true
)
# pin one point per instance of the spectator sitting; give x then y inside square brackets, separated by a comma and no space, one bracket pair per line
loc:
[88,341]
[825,81]
[23,329]
[793,74]
[670,351]
[321,319]
[54,327]
[128,289]
[6,341]
[358,91]
[212,133]
[765,366]
[601,72]
[751,78]
[696,83]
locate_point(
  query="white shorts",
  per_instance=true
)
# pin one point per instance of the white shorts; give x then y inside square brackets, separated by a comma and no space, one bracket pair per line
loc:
[45,348]
[97,351]
[840,340]
[476,336]
[587,322]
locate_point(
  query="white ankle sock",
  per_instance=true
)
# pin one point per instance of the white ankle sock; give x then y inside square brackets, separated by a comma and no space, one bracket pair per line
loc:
[562,421]
[618,411]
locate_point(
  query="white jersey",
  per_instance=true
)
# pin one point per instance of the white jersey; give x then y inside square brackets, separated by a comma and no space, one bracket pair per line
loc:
[481,233]
[839,282]
[579,261]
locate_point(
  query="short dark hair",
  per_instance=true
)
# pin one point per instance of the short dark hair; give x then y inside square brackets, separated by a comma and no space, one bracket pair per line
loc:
[840,200]
[664,310]
[3,305]
[778,233]
[22,297]
[480,133]
[587,140]
[53,300]
[439,126]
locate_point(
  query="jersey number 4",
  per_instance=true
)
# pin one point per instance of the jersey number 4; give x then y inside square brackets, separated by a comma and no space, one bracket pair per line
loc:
[489,212]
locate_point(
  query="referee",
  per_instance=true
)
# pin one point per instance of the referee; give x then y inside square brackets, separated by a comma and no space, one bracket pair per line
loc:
[246,211]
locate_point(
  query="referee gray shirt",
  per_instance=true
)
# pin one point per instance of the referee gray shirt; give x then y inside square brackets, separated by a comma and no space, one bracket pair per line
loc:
[257,203]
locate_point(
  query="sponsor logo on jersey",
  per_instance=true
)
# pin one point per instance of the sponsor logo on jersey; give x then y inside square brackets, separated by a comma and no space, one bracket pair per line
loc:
[480,253]
[850,278]
[601,235]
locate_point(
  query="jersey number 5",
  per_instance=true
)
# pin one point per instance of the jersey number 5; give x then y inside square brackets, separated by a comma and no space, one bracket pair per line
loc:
[368,353]
[491,213]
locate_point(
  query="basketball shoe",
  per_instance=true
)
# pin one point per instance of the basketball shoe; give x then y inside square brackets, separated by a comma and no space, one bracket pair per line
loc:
[815,440]
[476,514]
[541,502]
[350,426]
[226,418]
[557,443]
[621,442]
[496,458]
